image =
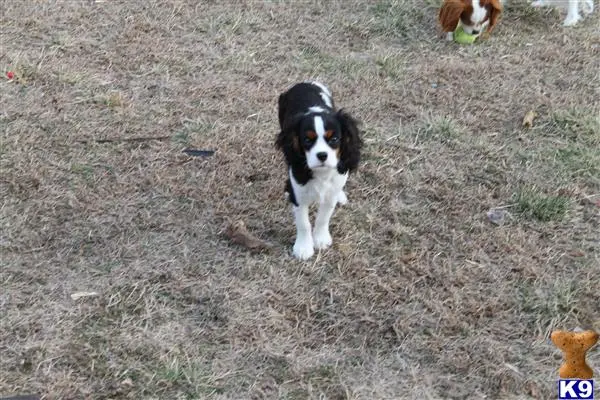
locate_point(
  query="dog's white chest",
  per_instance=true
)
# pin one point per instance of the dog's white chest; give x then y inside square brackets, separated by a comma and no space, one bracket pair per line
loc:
[325,185]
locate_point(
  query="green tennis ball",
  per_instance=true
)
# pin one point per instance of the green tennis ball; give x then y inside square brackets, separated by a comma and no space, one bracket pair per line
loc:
[462,37]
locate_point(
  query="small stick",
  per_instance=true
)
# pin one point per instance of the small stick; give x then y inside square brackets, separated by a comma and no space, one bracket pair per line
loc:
[133,139]
[238,233]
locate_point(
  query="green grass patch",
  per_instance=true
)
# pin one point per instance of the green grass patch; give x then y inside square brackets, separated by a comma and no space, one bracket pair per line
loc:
[533,204]
[544,301]
[84,170]
[438,128]
[578,125]
[579,161]
[391,66]
[181,137]
[191,377]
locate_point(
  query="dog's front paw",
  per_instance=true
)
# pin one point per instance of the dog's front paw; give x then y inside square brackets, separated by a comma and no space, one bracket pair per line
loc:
[303,250]
[571,20]
[322,239]
[342,198]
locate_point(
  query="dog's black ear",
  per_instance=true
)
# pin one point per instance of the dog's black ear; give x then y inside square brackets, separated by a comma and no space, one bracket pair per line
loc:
[281,104]
[351,142]
[288,141]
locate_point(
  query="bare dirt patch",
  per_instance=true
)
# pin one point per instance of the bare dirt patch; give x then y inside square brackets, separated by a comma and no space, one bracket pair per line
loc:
[421,295]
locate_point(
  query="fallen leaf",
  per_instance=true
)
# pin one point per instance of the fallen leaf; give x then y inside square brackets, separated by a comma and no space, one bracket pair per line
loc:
[79,295]
[528,119]
[576,253]
[238,233]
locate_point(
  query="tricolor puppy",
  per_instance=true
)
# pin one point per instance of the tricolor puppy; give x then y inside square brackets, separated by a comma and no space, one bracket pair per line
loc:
[321,146]
[475,16]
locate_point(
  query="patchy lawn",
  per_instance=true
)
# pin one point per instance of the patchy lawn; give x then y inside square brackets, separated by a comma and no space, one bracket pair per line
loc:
[421,295]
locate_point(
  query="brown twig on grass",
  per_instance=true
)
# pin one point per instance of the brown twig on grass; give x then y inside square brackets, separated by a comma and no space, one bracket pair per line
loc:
[238,233]
[130,139]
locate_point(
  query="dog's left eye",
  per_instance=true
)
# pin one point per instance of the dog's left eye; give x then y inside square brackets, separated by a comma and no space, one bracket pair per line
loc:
[334,139]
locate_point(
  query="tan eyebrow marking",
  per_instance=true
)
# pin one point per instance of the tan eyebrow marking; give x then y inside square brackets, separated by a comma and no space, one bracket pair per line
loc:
[312,135]
[328,134]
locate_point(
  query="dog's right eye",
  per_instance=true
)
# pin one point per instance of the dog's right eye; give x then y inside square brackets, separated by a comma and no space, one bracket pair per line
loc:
[308,140]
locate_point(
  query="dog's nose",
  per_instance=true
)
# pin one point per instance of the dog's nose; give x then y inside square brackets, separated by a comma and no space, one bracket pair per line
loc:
[322,156]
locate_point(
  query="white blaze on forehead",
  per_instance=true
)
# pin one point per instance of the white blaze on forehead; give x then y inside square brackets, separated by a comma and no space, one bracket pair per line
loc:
[319,126]
[321,146]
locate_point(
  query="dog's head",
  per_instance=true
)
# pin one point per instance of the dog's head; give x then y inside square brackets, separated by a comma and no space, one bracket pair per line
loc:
[476,16]
[321,140]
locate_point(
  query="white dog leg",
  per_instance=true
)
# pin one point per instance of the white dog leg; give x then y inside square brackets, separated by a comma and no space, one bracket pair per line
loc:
[321,236]
[342,199]
[303,247]
[573,13]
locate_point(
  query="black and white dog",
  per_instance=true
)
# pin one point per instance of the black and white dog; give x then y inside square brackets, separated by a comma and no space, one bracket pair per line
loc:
[321,146]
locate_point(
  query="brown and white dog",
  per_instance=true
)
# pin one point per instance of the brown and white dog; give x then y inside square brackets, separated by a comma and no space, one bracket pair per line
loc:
[475,16]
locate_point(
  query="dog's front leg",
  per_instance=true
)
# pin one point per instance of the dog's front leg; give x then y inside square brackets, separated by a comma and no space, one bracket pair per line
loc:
[303,247]
[573,14]
[321,236]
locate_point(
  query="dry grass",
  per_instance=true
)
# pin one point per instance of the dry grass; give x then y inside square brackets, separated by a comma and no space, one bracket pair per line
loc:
[420,297]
